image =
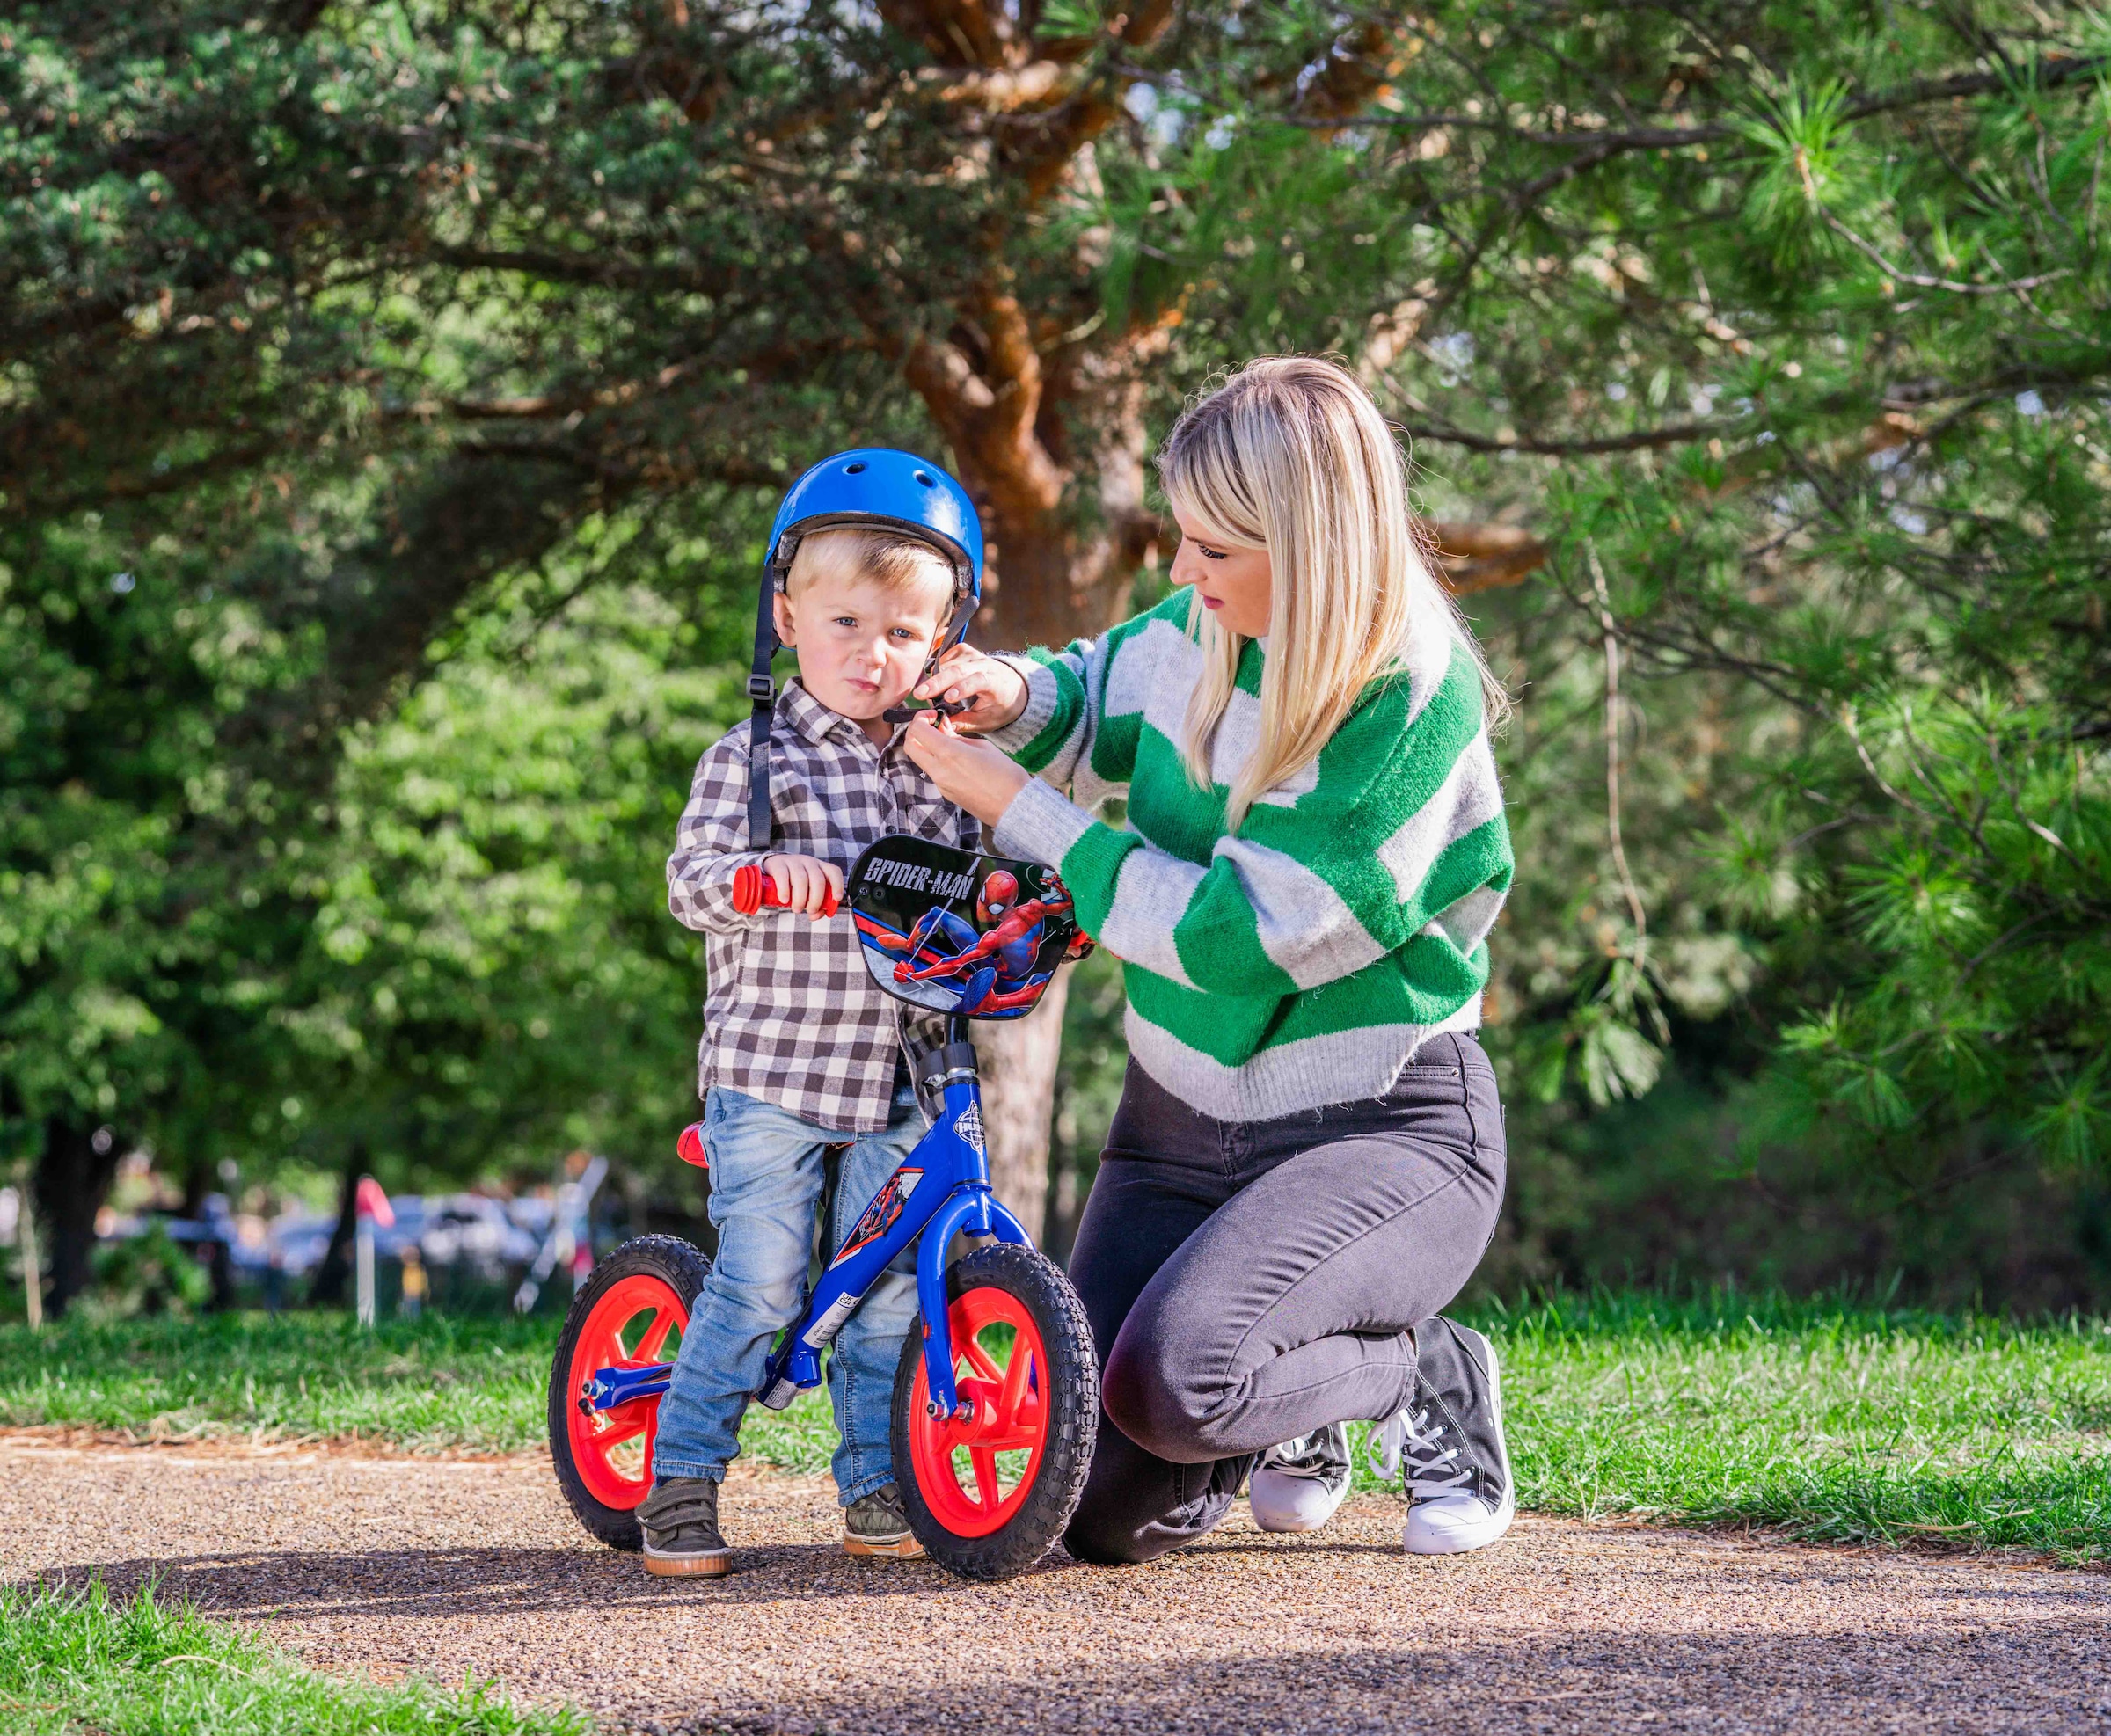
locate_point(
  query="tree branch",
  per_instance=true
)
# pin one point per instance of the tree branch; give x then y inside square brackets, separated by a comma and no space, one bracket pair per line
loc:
[1672,434]
[1483,556]
[2061,69]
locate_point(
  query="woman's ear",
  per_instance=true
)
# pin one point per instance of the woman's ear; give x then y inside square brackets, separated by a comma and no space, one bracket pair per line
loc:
[780,607]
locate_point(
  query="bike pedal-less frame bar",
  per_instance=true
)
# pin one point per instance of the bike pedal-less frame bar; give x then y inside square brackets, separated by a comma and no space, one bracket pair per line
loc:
[941,1190]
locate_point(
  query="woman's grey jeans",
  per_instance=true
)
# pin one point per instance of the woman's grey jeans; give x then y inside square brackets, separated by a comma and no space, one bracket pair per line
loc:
[1248,1282]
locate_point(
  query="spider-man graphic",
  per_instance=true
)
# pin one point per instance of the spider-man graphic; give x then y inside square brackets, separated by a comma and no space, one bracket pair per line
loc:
[995,970]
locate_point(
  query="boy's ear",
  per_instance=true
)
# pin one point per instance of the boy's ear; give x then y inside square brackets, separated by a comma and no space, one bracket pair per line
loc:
[780,610]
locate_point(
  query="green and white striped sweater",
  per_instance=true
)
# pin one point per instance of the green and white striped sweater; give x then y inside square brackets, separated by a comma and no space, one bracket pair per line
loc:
[1302,960]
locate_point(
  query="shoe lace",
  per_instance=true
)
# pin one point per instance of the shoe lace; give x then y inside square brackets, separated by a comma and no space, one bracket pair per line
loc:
[1304,1456]
[1411,1438]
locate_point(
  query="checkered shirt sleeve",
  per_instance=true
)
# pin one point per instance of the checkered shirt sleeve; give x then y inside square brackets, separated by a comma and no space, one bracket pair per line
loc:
[791,1014]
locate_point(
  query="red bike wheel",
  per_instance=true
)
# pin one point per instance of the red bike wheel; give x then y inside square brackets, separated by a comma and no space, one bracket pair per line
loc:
[627,1327]
[975,1474]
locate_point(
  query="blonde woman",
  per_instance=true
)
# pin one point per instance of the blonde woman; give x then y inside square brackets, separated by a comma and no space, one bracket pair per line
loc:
[1307,1158]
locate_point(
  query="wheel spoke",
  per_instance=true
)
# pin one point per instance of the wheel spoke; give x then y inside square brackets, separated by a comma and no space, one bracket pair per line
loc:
[978,1358]
[655,1336]
[652,1438]
[1015,1380]
[628,1429]
[984,1460]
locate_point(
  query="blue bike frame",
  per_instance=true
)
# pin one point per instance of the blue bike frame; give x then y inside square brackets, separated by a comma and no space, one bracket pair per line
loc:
[941,1190]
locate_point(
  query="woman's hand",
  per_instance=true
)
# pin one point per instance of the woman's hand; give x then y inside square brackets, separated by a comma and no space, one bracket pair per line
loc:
[993,694]
[972,775]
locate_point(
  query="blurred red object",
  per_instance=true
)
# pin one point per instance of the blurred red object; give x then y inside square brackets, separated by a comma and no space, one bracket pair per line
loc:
[689,1147]
[369,1202]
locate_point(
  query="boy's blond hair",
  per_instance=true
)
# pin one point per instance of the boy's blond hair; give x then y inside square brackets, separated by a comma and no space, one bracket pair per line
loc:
[901,566]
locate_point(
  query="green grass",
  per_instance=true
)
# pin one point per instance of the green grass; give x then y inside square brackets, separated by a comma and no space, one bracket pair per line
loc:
[74,1660]
[442,1384]
[1835,1422]
[1832,1421]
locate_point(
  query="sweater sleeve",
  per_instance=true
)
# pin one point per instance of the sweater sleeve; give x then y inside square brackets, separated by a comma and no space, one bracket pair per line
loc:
[1062,736]
[710,841]
[1401,842]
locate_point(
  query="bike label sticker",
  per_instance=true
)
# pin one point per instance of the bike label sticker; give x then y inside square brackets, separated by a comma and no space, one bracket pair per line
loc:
[970,1128]
[824,1329]
[880,1217]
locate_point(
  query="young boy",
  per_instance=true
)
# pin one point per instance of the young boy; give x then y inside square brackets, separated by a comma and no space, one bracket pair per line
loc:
[801,1050]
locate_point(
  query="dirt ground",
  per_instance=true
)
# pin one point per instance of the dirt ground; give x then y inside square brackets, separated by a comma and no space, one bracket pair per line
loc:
[400,1566]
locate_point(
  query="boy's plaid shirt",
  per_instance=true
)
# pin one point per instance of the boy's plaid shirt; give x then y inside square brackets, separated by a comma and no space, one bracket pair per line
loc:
[790,1015]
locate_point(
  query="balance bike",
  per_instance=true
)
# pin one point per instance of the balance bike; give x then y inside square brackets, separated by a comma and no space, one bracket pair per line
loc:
[997,1395]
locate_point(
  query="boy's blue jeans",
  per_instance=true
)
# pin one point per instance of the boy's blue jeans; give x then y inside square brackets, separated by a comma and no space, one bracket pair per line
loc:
[765,1187]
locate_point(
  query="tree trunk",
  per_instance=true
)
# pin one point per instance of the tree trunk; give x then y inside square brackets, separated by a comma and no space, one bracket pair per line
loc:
[1018,1058]
[73,1176]
[326,1288]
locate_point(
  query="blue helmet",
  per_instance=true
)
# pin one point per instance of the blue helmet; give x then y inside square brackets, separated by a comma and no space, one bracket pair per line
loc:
[873,485]
[881,486]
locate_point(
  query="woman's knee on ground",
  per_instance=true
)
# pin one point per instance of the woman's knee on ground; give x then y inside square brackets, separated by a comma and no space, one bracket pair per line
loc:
[1151,1392]
[1105,1539]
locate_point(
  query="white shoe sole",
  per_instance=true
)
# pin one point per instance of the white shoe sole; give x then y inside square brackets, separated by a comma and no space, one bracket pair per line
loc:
[1281,1502]
[1459,1524]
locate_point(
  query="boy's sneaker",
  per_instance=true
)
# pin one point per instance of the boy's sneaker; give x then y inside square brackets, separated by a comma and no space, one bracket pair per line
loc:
[1297,1485]
[878,1524]
[1459,1489]
[680,1518]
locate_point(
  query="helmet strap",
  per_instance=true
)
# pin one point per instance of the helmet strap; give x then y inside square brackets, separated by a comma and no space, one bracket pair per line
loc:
[762,695]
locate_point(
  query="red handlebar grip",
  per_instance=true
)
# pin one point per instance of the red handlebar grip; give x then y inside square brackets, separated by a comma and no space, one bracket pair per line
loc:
[752,889]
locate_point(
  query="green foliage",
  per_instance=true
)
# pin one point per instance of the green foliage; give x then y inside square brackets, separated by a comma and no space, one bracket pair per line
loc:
[493,972]
[151,1664]
[149,1274]
[139,953]
[388,345]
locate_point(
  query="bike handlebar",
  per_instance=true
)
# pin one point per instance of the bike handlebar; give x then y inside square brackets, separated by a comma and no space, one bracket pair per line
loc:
[753,889]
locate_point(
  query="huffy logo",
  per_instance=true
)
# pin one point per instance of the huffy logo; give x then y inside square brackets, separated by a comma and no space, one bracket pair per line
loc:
[970,1127]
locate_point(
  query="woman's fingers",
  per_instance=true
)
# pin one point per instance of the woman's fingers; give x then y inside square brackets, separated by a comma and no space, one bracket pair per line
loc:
[990,693]
[970,774]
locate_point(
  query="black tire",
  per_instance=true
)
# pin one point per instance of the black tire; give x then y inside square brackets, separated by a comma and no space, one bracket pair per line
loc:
[1073,1417]
[684,1268]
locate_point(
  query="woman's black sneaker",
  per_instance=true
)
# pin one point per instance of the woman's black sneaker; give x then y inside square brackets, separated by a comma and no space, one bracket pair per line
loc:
[1296,1486]
[1450,1442]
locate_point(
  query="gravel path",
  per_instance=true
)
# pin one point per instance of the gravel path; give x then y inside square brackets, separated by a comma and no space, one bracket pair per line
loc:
[397,1566]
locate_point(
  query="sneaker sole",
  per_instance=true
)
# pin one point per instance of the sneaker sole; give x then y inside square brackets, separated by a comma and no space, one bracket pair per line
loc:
[1285,1525]
[1499,1522]
[714,1566]
[904,1548]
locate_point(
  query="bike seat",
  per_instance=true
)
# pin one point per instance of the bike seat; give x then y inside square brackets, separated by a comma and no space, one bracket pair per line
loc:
[953,931]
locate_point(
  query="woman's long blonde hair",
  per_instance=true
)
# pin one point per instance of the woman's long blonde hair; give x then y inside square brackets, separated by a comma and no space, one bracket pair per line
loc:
[1290,454]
